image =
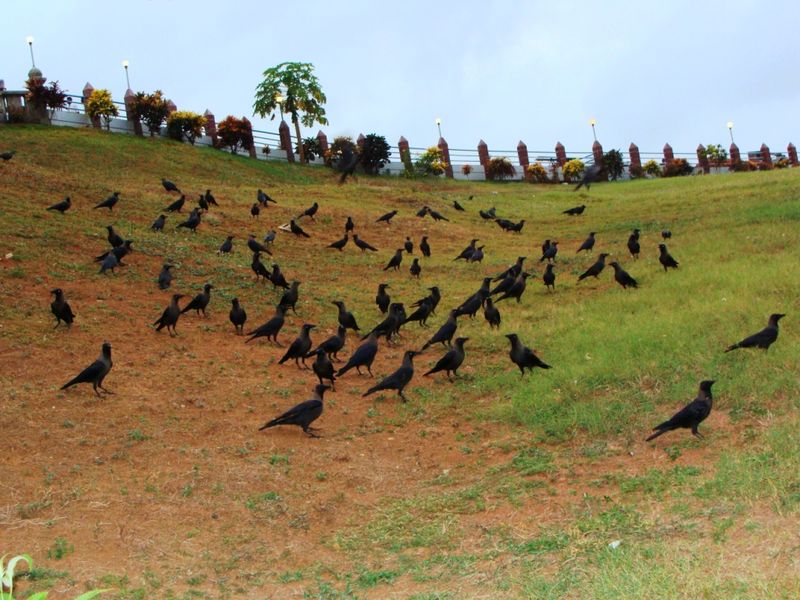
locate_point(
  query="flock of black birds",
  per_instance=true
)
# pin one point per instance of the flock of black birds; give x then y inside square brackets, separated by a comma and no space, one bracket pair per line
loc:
[509,284]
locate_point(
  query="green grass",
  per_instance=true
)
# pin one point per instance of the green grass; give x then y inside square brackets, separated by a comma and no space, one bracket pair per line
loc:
[509,486]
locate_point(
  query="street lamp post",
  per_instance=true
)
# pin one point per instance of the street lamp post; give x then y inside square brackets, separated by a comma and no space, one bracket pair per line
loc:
[29,39]
[279,102]
[125,65]
[438,122]
[592,122]
[730,130]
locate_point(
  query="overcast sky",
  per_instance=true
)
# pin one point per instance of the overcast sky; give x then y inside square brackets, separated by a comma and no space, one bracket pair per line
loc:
[648,72]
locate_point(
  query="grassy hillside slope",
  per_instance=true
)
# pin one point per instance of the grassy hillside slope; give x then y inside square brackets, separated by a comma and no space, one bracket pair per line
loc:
[489,486]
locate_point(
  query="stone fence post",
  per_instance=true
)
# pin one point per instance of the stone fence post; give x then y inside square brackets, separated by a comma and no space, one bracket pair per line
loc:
[791,150]
[561,154]
[524,161]
[405,152]
[669,155]
[445,150]
[702,159]
[286,141]
[483,155]
[635,158]
[736,158]
[322,139]
[765,155]
[211,127]
[129,99]
[597,152]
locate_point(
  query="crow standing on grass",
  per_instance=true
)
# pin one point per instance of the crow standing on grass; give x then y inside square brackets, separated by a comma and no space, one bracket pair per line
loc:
[200,301]
[277,278]
[452,360]
[691,415]
[210,199]
[289,298]
[363,356]
[764,338]
[170,316]
[7,155]
[549,278]
[425,247]
[397,380]
[95,373]
[665,258]
[468,251]
[339,244]
[109,202]
[299,347]
[303,414]
[62,206]
[596,268]
[158,224]
[271,328]
[165,277]
[633,244]
[238,316]
[177,205]
[394,262]
[169,186]
[227,246]
[258,267]
[491,314]
[323,367]
[415,269]
[445,332]
[309,212]
[575,211]
[588,244]
[382,299]
[524,357]
[332,345]
[109,263]
[254,245]
[363,246]
[622,277]
[192,222]
[345,317]
[387,218]
[297,230]
[549,252]
[61,309]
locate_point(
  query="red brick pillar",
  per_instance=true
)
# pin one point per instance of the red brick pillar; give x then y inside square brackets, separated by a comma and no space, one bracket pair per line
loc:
[322,139]
[483,154]
[405,152]
[211,127]
[130,115]
[87,91]
[702,159]
[597,153]
[765,155]
[286,141]
[171,108]
[735,156]
[522,154]
[791,150]
[360,141]
[561,154]
[251,143]
[635,158]
[669,156]
[445,150]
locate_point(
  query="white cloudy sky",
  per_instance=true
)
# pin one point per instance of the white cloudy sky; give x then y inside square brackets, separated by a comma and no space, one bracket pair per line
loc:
[649,72]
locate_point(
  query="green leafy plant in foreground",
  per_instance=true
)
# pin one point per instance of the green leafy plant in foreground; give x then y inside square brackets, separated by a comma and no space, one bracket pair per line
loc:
[7,573]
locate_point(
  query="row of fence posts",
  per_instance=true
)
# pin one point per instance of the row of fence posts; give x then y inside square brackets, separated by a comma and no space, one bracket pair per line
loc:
[484,157]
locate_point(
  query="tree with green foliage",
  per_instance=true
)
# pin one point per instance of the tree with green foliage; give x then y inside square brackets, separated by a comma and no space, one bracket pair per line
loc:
[375,152]
[292,87]
[311,148]
[151,109]
[430,162]
[717,155]
[100,105]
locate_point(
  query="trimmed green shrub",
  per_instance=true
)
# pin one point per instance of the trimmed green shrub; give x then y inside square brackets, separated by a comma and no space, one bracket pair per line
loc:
[652,168]
[184,124]
[100,105]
